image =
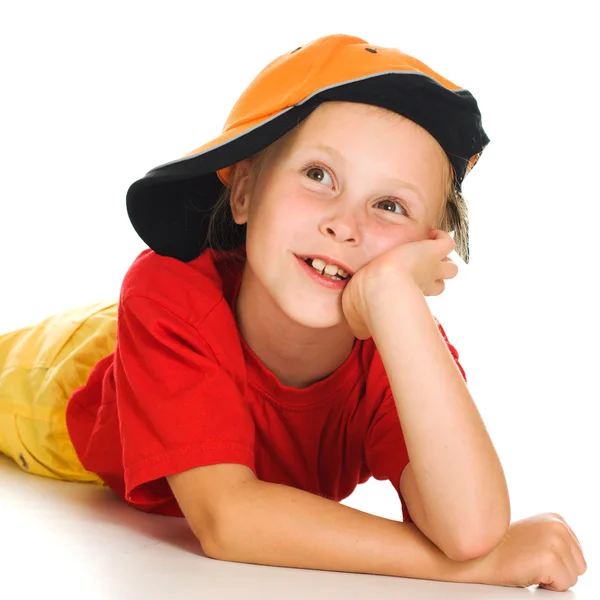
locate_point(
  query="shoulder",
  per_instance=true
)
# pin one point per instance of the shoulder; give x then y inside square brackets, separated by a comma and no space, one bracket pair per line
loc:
[180,313]
[192,291]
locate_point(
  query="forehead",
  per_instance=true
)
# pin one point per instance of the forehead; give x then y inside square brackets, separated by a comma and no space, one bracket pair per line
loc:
[377,140]
[338,118]
[343,111]
[342,122]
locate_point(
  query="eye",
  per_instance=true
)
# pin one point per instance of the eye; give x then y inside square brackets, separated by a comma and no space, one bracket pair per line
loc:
[391,206]
[319,175]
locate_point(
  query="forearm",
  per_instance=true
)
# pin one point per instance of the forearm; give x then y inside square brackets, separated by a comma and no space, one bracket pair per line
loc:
[271,524]
[457,470]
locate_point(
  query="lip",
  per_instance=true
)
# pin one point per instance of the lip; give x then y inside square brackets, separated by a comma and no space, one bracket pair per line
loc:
[329,261]
[332,284]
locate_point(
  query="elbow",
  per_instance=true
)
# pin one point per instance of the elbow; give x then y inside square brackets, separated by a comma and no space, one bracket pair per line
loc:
[479,543]
[211,546]
[472,549]
[216,541]
[212,549]
[211,533]
[223,539]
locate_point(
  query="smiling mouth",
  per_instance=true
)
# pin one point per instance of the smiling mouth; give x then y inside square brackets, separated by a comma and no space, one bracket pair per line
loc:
[331,271]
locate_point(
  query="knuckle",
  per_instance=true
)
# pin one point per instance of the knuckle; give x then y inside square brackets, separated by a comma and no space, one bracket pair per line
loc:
[558,528]
[555,517]
[552,530]
[555,539]
[552,561]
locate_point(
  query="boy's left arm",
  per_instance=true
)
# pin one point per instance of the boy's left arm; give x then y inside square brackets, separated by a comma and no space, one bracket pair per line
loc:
[454,485]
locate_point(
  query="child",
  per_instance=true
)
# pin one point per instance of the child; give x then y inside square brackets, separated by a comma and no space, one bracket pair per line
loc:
[273,348]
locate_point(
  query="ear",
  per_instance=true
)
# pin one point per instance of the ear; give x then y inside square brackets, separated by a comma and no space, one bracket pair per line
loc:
[239,199]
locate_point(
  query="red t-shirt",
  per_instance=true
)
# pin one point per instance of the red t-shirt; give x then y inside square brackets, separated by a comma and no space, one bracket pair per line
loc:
[182,389]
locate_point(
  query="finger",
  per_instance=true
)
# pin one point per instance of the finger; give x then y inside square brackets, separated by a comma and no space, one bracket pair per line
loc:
[446,270]
[435,289]
[577,553]
[574,536]
[576,548]
[578,558]
[569,577]
[446,244]
[571,566]
[440,235]
[558,578]
[449,270]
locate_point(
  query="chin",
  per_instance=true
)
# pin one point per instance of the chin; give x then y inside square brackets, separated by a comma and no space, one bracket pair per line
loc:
[314,313]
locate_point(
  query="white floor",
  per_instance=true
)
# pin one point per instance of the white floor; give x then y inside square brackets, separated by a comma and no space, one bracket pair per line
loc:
[78,541]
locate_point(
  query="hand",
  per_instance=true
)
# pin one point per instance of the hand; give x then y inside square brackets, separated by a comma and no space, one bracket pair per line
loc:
[538,550]
[421,265]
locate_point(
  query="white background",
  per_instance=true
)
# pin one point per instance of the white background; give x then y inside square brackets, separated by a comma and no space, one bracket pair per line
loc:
[96,94]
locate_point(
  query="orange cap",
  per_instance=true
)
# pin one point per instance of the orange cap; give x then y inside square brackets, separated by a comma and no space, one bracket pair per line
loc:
[170,206]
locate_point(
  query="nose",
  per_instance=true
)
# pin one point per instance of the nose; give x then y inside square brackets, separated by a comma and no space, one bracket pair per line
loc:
[343,226]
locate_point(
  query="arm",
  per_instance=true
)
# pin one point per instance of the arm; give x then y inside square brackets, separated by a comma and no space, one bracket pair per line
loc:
[454,486]
[242,519]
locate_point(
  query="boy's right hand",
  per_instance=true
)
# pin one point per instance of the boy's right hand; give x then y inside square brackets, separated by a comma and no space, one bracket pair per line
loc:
[538,550]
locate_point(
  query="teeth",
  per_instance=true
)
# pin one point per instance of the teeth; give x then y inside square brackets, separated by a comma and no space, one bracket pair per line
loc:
[332,270]
[318,264]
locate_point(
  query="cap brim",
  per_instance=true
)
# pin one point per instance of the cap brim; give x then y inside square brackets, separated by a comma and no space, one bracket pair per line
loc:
[170,207]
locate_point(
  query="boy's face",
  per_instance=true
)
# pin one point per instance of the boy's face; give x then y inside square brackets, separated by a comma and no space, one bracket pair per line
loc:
[351,182]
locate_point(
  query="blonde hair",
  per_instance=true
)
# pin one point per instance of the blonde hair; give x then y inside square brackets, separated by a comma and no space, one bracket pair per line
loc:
[455,220]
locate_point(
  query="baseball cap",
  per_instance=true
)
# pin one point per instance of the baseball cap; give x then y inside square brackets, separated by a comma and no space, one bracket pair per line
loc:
[170,206]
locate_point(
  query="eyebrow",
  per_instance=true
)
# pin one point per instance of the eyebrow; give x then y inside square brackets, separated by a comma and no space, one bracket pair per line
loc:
[396,182]
[329,150]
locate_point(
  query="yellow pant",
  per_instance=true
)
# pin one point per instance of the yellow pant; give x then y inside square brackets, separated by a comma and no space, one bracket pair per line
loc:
[40,366]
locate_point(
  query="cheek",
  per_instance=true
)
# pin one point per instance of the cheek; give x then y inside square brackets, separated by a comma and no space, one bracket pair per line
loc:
[288,209]
[273,220]
[385,237]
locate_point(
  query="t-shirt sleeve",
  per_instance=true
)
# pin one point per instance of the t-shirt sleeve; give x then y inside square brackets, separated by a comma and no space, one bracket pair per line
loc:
[385,450]
[452,349]
[178,408]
